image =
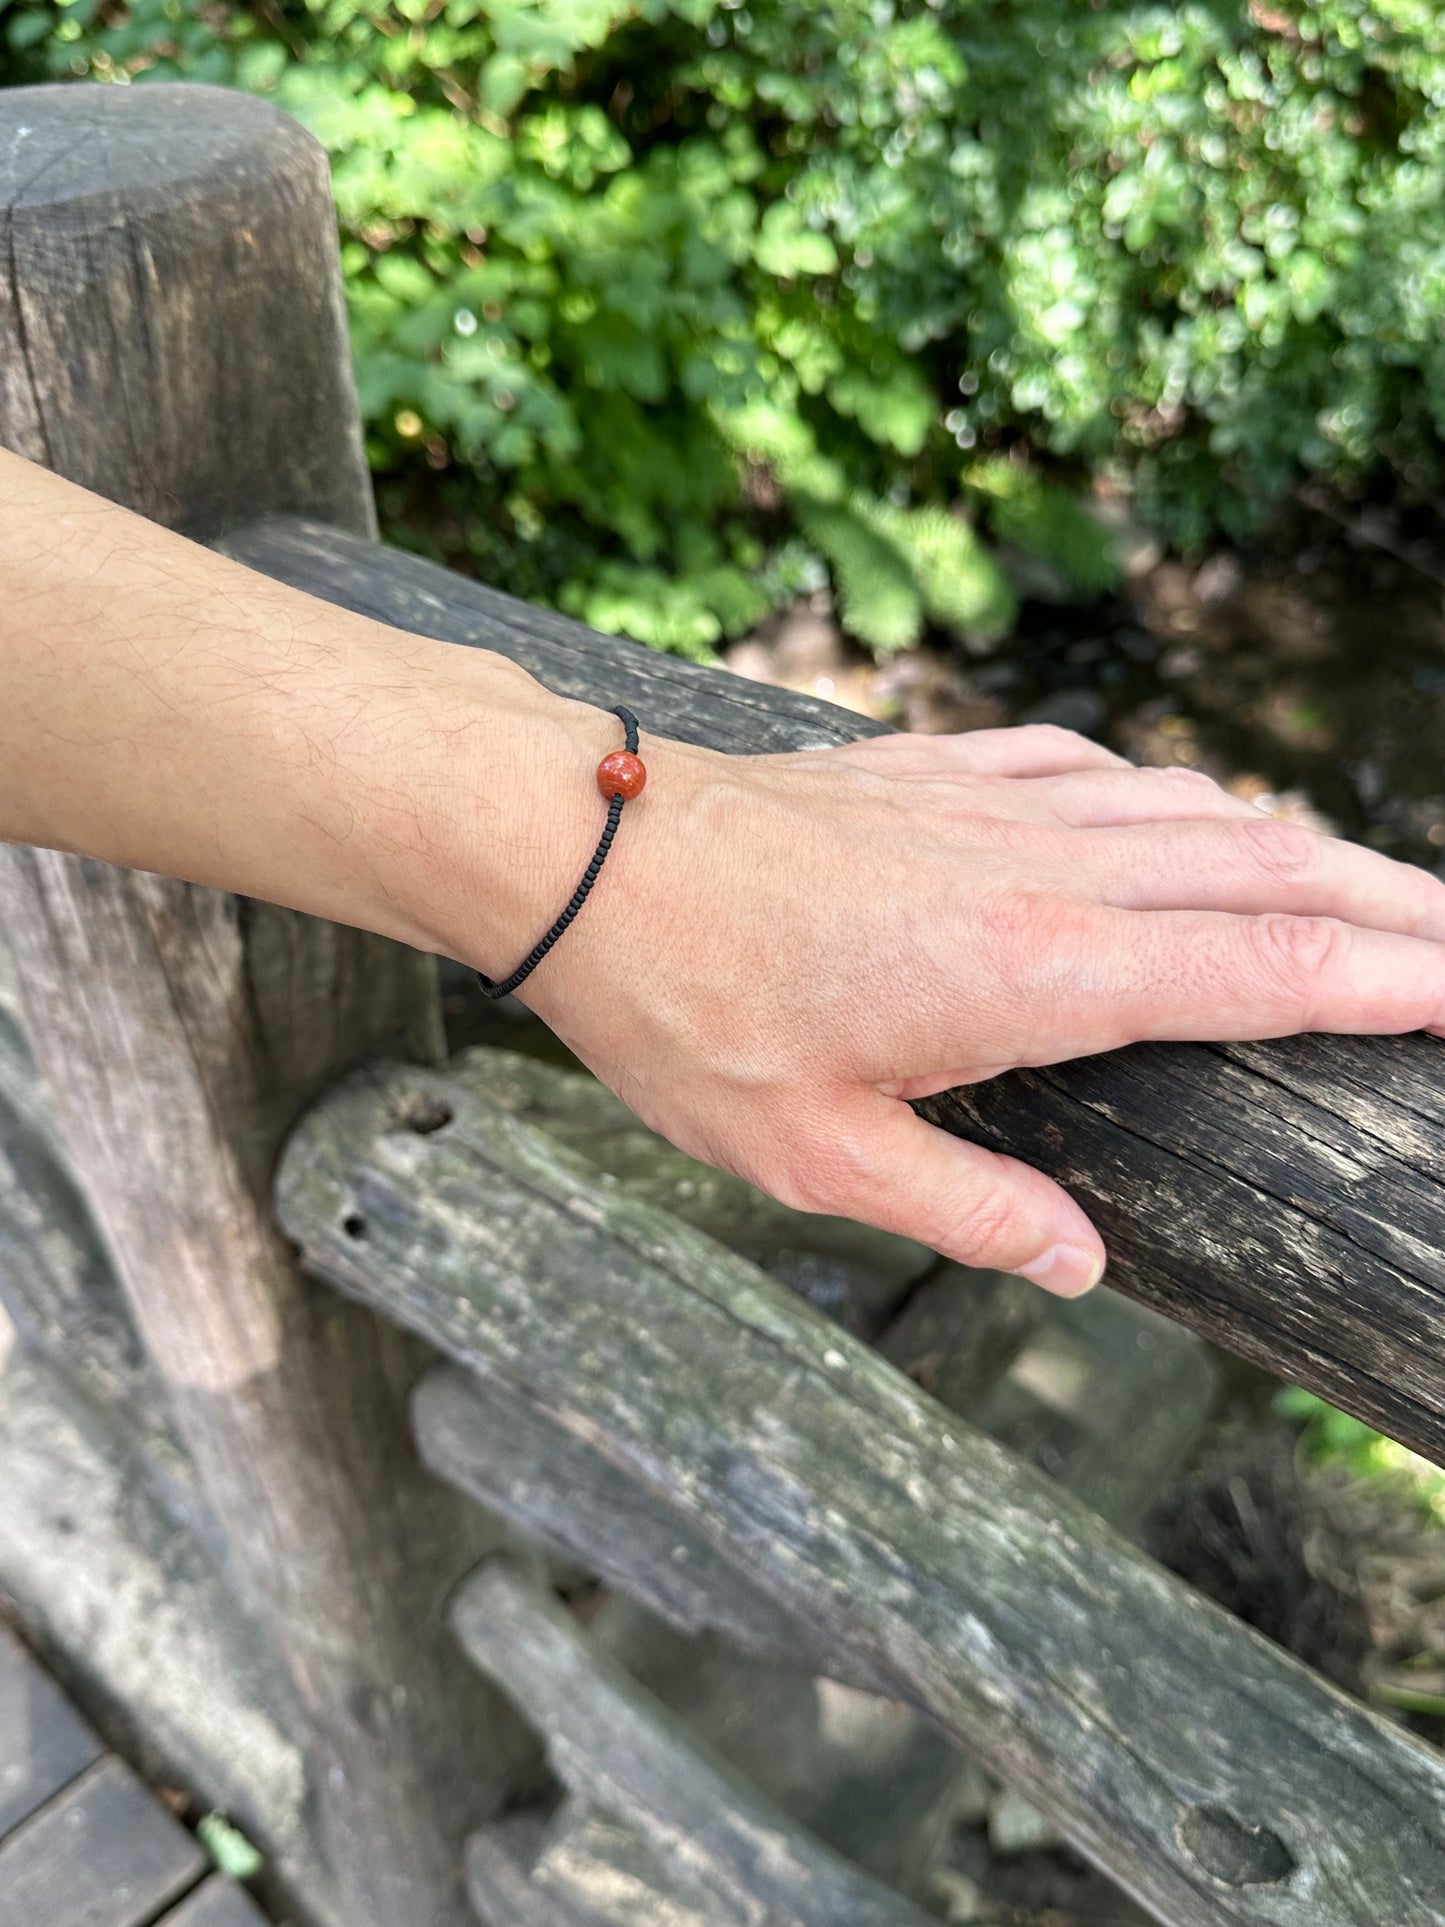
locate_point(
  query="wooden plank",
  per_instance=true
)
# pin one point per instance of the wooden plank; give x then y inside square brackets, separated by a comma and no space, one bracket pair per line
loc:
[1252,1227]
[960,1331]
[104,1854]
[874,1780]
[59,1288]
[695,1838]
[850,1271]
[101,1571]
[44,1743]
[512,1457]
[220,1903]
[584,1868]
[1165,1737]
[173,335]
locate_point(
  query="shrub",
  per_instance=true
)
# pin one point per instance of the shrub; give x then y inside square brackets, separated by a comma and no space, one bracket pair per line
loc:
[661,310]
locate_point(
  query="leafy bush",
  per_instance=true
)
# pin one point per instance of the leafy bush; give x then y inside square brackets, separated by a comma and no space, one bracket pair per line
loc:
[662,308]
[1331,1437]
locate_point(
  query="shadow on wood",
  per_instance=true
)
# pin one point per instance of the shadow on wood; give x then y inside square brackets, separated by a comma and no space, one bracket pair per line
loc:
[1151,1724]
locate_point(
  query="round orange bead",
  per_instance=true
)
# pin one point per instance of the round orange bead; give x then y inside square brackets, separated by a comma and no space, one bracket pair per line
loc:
[621,774]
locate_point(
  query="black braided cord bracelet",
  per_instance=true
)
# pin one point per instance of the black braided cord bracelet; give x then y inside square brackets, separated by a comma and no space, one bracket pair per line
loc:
[589,875]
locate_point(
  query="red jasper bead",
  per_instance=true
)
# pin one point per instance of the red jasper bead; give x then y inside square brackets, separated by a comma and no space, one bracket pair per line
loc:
[621,774]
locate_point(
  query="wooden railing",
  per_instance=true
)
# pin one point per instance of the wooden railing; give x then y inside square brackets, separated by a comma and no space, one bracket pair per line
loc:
[627,1389]
[1286,1200]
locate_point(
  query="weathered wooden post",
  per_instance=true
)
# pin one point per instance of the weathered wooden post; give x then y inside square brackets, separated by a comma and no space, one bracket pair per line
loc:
[172,335]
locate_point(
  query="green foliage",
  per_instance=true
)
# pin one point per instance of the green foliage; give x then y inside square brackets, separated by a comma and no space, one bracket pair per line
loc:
[952,251]
[1048,521]
[1332,1437]
[233,1853]
[892,567]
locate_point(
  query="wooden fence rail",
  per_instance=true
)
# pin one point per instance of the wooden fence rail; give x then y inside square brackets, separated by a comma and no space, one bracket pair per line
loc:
[934,1566]
[172,333]
[1286,1200]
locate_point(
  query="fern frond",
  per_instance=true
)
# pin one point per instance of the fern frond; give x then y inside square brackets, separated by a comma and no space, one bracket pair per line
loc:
[1047,521]
[874,581]
[963,588]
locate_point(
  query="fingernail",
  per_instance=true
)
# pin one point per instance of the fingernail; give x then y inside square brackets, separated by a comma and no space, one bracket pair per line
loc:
[1066,1270]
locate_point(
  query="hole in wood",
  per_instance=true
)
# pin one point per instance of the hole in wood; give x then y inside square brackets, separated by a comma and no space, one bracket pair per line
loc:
[354,1225]
[1237,1854]
[423,1113]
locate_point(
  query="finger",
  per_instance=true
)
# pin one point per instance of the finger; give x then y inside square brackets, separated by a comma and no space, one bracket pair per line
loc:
[1213,977]
[880,1163]
[1033,749]
[1255,867]
[1103,798]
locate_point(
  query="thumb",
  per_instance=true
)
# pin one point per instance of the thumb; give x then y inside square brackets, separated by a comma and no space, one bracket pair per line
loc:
[893,1170]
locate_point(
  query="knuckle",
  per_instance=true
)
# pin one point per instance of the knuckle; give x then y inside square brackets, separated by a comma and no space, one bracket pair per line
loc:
[1429,905]
[1284,853]
[982,1224]
[818,1171]
[1296,952]
[1031,924]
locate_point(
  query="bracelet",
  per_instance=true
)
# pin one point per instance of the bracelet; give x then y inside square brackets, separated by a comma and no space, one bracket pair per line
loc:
[621,775]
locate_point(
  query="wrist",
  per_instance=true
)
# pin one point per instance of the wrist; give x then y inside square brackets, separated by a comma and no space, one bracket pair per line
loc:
[499,785]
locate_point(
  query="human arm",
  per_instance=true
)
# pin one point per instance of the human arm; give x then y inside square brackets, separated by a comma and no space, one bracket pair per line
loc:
[781,950]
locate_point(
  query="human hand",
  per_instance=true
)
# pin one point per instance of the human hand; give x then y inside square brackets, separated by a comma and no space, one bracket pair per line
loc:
[784,950]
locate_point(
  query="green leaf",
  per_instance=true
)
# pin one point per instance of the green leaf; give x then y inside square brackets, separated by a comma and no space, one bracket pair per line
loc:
[233,1853]
[1047,521]
[896,410]
[962,586]
[28,27]
[878,597]
[787,247]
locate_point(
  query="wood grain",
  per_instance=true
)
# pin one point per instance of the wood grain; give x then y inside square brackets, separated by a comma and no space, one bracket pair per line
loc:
[511,1456]
[1287,1200]
[661,1829]
[220,1903]
[163,251]
[60,1292]
[584,1869]
[959,1332]
[1214,1777]
[151,1631]
[44,1743]
[172,334]
[855,1274]
[105,1854]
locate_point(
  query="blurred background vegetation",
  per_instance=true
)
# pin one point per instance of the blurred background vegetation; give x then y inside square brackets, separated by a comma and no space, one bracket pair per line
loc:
[666,313]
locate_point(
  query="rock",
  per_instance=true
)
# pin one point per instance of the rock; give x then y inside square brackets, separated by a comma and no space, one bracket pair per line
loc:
[1034,579]
[1181,661]
[807,644]
[1016,1827]
[1217,579]
[1136,549]
[750,659]
[1137,644]
[961,1901]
